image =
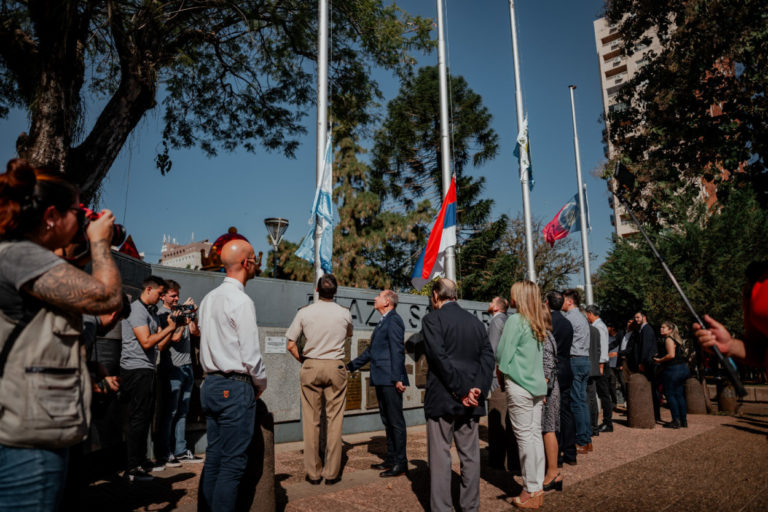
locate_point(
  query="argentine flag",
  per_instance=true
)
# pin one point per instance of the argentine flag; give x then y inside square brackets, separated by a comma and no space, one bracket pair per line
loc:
[322,215]
[442,236]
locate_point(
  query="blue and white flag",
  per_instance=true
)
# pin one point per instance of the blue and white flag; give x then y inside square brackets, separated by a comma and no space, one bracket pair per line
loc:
[322,215]
[523,153]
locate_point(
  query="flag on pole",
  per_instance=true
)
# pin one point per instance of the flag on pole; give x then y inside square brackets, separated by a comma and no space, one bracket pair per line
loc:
[523,153]
[322,215]
[566,221]
[443,235]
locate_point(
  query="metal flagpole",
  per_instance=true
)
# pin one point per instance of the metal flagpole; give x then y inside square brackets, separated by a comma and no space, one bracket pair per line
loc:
[322,115]
[524,178]
[582,209]
[445,145]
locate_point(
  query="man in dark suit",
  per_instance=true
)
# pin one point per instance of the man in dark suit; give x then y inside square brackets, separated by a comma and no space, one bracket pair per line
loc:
[643,352]
[562,330]
[460,361]
[387,356]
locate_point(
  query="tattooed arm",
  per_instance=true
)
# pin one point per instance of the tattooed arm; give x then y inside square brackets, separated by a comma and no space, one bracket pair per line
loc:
[72,289]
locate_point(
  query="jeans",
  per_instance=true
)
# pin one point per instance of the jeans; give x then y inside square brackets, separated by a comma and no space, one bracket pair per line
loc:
[176,384]
[31,479]
[391,410]
[230,409]
[674,377]
[580,366]
[138,389]
[525,415]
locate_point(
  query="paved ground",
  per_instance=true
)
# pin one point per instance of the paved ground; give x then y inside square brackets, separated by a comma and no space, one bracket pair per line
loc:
[718,463]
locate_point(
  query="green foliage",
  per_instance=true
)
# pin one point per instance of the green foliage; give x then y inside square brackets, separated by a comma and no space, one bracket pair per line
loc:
[234,74]
[708,254]
[698,110]
[407,169]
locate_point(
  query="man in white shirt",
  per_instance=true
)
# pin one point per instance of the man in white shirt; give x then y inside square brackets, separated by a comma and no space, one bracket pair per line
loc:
[234,377]
[603,381]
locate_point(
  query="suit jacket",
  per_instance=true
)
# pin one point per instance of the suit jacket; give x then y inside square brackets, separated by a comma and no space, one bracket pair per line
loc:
[460,357]
[386,352]
[495,328]
[562,330]
[644,348]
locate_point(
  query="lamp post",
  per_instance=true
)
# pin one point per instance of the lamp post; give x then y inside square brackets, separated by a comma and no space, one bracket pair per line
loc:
[276,227]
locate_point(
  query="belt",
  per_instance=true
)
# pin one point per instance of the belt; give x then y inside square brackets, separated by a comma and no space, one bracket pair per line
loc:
[574,357]
[232,375]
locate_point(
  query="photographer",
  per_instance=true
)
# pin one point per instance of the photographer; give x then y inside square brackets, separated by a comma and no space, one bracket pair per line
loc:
[176,378]
[42,299]
[142,338]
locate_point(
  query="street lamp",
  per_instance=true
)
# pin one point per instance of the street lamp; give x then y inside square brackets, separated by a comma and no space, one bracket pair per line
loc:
[276,227]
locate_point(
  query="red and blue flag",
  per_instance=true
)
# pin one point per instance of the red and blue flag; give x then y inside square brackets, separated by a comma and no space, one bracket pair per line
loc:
[566,221]
[443,235]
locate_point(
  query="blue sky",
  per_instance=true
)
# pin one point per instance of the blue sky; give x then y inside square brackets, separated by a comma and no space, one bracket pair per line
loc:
[204,196]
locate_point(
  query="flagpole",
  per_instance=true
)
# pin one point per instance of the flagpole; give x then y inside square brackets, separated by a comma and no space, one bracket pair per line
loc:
[445,146]
[322,116]
[582,209]
[524,178]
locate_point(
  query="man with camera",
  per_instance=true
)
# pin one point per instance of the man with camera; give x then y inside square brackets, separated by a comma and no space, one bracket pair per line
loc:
[142,338]
[176,378]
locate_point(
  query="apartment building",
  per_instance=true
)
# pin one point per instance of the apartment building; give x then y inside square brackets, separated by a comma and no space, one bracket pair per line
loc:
[615,71]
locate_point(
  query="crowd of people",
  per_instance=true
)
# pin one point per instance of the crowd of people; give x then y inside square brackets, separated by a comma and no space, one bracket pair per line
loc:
[551,360]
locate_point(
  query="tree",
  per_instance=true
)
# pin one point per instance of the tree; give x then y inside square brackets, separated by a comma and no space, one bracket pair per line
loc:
[407,163]
[504,266]
[233,74]
[697,111]
[708,254]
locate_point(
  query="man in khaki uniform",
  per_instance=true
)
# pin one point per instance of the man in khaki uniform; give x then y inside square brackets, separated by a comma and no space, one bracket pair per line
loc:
[325,325]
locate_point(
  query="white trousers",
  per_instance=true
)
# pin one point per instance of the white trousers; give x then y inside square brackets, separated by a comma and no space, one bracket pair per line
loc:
[525,415]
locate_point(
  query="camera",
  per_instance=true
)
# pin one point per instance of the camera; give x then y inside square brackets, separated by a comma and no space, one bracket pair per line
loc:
[84,217]
[185,310]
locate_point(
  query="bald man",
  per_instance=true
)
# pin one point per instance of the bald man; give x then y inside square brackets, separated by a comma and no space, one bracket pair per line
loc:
[234,378]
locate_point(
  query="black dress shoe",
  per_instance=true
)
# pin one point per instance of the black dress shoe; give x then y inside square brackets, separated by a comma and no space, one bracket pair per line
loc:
[381,466]
[396,470]
[313,482]
[606,427]
[672,424]
[333,480]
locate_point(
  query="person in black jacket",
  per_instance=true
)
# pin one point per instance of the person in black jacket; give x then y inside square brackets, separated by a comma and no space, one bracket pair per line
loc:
[460,361]
[644,350]
[387,356]
[562,330]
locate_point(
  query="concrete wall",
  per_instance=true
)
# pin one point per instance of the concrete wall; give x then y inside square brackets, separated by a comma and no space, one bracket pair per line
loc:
[276,304]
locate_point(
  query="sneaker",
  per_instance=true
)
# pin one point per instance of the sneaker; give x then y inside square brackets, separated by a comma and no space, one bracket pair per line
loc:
[153,467]
[188,457]
[138,475]
[172,462]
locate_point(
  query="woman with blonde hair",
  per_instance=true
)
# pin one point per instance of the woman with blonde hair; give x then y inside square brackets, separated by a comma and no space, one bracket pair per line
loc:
[520,358]
[676,372]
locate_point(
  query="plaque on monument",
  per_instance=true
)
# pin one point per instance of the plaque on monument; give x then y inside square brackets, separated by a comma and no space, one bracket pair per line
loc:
[421,372]
[354,392]
[363,344]
[371,402]
[409,369]
[275,345]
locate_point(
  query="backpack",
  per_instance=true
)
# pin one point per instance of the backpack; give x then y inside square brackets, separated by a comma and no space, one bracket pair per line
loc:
[45,389]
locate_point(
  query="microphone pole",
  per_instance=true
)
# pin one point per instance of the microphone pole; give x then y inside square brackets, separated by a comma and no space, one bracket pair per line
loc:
[726,363]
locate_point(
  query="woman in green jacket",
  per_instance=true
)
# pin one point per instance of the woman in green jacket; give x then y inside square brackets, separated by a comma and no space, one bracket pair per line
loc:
[519,356]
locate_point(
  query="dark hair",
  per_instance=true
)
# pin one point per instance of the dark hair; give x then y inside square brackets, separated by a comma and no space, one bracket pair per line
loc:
[555,300]
[154,282]
[642,313]
[445,289]
[574,294]
[26,192]
[170,284]
[326,286]
[593,309]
